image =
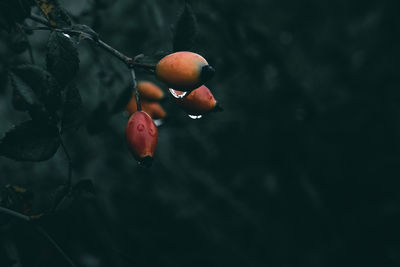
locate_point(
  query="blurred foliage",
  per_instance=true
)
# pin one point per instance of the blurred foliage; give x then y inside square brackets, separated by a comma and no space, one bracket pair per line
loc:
[301,168]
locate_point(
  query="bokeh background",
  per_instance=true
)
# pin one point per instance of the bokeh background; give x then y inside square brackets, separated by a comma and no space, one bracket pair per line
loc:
[301,169]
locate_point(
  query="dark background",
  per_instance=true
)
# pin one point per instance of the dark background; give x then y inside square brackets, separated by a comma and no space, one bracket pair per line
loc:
[301,168]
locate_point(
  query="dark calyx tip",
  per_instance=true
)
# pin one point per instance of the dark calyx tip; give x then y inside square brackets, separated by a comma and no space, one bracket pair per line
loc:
[218,108]
[207,72]
[146,161]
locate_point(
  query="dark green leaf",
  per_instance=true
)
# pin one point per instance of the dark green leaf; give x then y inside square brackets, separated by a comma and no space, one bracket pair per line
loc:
[30,141]
[73,111]
[12,11]
[62,58]
[98,120]
[185,30]
[19,42]
[23,97]
[42,83]
[16,198]
[64,196]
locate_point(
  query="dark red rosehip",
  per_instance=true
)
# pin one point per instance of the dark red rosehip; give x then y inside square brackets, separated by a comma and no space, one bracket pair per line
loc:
[141,136]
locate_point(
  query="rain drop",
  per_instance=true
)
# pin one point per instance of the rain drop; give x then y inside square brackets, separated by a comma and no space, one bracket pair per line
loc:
[195,117]
[177,95]
[158,122]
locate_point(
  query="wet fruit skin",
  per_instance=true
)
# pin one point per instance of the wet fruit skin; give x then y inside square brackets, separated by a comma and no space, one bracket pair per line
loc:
[198,102]
[141,136]
[154,109]
[183,71]
[149,91]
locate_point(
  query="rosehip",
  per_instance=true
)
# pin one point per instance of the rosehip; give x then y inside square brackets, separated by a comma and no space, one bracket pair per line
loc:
[198,102]
[141,136]
[154,109]
[149,91]
[184,71]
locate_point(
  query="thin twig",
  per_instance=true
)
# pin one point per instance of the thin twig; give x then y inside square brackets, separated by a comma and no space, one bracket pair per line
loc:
[69,181]
[138,103]
[15,214]
[30,220]
[55,245]
[125,59]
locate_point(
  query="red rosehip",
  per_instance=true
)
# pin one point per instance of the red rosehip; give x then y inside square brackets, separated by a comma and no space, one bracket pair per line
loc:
[198,102]
[141,136]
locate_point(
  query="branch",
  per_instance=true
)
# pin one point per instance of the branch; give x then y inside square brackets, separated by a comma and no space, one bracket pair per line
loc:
[138,103]
[131,63]
[30,220]
[15,214]
[55,245]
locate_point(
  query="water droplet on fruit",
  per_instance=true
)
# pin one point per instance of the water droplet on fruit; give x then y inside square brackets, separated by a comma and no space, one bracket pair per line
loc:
[175,93]
[195,117]
[158,122]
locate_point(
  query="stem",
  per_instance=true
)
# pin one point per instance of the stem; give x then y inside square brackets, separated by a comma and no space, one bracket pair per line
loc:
[69,181]
[125,59]
[55,245]
[138,104]
[30,220]
[15,214]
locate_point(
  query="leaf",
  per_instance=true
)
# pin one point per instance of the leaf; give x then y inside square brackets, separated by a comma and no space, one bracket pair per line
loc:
[12,11]
[185,30]
[54,13]
[30,141]
[62,58]
[16,198]
[98,120]
[19,42]
[42,83]
[23,97]
[64,197]
[73,111]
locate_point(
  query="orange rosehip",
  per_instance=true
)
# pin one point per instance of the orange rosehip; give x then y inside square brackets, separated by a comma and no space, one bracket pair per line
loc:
[141,136]
[198,102]
[154,109]
[184,71]
[150,91]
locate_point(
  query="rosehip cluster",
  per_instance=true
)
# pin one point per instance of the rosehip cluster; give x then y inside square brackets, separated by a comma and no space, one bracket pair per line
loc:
[185,74]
